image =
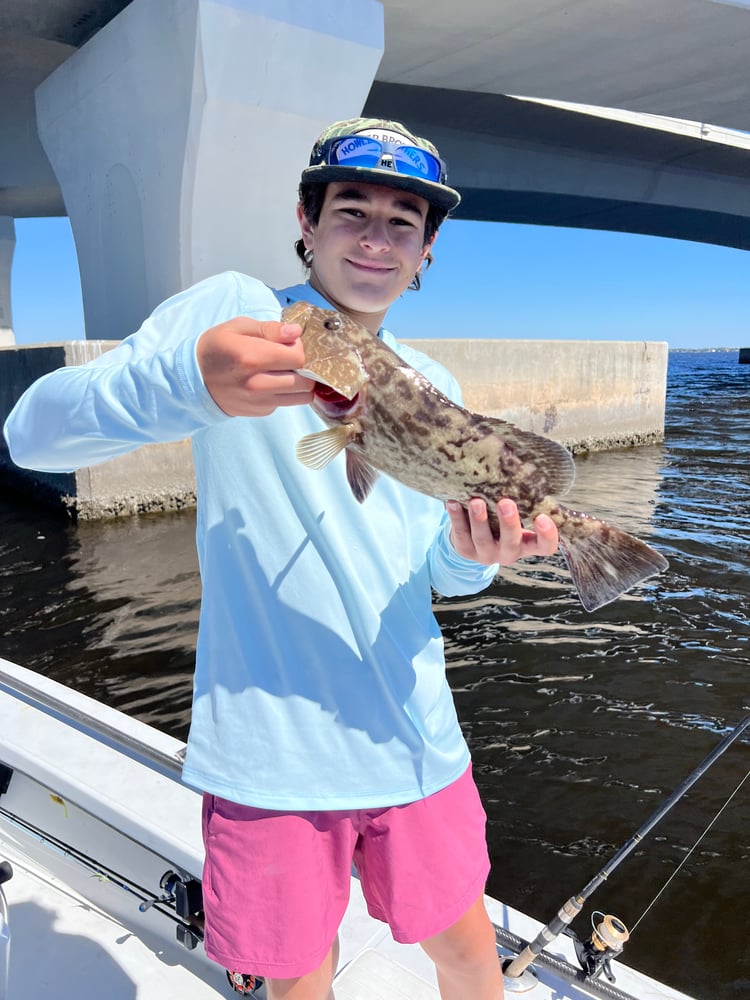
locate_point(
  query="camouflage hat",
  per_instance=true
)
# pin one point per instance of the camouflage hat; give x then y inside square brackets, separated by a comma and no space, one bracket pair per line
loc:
[396,158]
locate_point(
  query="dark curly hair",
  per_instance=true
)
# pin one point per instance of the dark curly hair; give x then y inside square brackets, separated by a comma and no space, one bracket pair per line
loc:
[311,198]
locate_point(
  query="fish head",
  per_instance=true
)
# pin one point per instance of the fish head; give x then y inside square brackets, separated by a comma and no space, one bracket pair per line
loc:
[333,358]
[335,347]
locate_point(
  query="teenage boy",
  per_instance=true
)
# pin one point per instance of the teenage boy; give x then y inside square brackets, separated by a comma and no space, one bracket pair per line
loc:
[323,728]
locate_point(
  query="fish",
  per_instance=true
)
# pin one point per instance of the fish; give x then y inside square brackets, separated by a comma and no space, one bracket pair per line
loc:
[388,418]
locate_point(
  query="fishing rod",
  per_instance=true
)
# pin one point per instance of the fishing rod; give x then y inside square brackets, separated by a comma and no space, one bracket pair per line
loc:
[612,933]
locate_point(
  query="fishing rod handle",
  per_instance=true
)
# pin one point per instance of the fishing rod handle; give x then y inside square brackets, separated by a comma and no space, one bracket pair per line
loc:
[565,915]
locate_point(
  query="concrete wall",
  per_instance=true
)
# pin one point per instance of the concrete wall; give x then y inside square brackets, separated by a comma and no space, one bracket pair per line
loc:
[156,477]
[178,132]
[588,394]
[7,247]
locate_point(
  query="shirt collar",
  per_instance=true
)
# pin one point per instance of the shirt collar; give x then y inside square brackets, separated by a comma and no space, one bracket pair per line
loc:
[301,293]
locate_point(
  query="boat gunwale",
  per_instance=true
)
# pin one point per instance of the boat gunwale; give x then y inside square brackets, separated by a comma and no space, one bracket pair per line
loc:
[169,765]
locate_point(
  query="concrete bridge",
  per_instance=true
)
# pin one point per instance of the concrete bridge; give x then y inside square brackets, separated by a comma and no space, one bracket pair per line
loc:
[172,131]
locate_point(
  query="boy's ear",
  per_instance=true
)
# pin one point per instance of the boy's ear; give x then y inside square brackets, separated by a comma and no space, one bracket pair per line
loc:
[304,225]
[428,246]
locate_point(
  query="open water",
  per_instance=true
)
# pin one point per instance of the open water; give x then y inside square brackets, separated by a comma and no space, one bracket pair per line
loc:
[579,724]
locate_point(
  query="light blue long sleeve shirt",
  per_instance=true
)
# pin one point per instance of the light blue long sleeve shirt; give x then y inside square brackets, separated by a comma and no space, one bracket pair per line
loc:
[320,675]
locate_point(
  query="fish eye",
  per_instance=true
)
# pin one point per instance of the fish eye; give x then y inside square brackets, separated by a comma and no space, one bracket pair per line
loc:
[334,323]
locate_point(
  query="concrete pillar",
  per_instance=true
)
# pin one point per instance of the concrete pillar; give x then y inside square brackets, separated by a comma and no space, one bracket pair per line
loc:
[178,134]
[7,246]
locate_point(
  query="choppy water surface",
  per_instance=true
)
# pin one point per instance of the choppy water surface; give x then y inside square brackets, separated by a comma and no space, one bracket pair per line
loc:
[579,724]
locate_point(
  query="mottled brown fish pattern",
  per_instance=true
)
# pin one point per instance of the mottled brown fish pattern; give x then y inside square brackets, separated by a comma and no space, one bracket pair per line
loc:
[389,418]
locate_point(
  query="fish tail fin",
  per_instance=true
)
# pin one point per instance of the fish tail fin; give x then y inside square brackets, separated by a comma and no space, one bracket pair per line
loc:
[604,561]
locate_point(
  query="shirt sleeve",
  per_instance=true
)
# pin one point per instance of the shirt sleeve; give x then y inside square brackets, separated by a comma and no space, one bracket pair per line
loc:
[450,574]
[147,389]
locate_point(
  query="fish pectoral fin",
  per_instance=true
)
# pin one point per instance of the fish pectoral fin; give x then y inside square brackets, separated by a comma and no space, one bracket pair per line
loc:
[317,450]
[361,475]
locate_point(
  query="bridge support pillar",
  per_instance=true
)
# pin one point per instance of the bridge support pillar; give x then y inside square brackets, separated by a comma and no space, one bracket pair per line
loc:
[178,132]
[7,248]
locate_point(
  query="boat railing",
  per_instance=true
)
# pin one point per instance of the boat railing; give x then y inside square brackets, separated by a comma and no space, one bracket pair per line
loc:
[6,872]
[165,762]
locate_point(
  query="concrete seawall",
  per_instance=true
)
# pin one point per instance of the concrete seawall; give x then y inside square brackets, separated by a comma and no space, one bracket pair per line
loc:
[590,395]
[156,477]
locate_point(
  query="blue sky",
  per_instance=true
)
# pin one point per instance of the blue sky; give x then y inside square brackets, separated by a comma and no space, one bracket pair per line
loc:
[488,280]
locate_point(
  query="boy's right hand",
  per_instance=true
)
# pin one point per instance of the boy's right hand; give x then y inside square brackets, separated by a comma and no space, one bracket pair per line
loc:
[249,366]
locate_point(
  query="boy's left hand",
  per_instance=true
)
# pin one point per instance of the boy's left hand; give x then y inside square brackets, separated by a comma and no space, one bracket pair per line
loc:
[472,536]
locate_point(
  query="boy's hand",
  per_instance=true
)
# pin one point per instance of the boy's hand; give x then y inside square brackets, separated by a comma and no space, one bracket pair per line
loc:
[472,536]
[248,366]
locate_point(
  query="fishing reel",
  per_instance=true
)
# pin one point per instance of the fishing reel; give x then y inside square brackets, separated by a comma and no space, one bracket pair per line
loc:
[608,938]
[243,983]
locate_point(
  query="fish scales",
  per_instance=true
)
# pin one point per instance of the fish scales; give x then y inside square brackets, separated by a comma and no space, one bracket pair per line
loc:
[388,418]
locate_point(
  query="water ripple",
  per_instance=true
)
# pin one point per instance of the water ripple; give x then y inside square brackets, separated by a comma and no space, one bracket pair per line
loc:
[579,724]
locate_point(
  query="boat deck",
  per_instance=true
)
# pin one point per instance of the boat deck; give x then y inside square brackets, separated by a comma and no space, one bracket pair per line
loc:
[94,815]
[62,945]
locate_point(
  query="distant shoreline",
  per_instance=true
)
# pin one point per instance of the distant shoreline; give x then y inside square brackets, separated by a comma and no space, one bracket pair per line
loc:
[704,350]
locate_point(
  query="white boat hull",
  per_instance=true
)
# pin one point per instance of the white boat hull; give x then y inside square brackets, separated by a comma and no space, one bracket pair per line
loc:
[93,819]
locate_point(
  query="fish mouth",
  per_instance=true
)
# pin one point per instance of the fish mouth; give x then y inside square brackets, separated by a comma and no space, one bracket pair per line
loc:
[332,403]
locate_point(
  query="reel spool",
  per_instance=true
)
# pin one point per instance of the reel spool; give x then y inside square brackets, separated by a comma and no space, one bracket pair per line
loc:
[608,938]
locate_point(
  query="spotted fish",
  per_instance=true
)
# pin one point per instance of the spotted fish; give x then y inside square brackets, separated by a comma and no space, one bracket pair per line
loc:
[387,417]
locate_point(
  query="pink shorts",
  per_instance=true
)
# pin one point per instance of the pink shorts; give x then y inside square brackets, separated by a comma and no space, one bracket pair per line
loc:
[276,884]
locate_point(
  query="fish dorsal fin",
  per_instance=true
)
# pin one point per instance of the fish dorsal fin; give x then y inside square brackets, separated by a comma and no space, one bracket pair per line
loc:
[317,450]
[552,458]
[558,463]
[361,475]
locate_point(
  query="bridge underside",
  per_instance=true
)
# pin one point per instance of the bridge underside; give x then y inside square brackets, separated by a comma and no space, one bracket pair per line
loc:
[520,161]
[162,192]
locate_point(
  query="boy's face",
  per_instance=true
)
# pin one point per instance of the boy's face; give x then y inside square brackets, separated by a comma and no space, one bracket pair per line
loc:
[367,246]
